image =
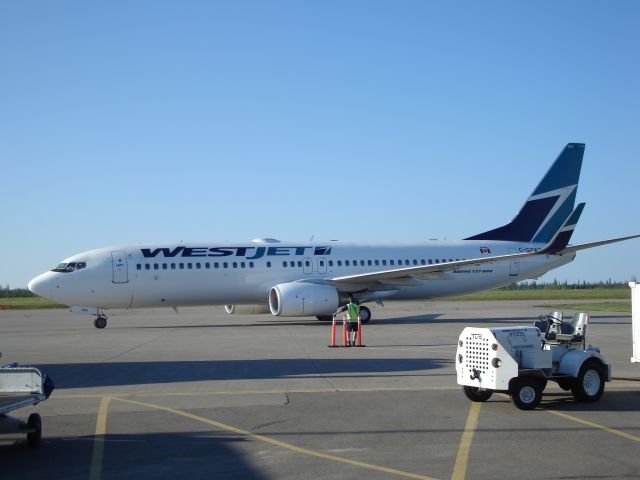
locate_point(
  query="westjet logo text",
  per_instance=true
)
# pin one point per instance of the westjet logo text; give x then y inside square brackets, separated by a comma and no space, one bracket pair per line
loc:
[250,253]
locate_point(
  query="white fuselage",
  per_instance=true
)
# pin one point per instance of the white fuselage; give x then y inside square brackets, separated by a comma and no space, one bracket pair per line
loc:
[136,276]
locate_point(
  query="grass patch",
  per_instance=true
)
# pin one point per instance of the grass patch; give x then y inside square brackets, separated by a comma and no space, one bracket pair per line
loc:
[31,303]
[623,307]
[548,294]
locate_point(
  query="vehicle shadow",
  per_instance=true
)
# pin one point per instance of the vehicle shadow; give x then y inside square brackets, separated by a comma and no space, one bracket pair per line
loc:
[611,401]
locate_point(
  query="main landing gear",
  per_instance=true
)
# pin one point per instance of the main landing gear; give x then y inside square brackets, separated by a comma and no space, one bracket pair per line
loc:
[100,321]
[365,316]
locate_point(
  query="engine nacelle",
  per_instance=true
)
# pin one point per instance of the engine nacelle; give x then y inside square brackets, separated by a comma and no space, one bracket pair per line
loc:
[299,298]
[246,309]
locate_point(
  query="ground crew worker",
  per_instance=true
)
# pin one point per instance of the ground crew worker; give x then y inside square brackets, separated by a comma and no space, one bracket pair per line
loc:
[353,315]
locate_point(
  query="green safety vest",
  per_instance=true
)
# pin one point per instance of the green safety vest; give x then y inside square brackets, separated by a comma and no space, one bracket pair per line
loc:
[353,310]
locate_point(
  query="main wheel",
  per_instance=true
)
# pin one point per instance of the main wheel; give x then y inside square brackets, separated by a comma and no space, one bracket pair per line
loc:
[365,315]
[100,322]
[589,386]
[526,392]
[34,423]
[476,394]
[324,318]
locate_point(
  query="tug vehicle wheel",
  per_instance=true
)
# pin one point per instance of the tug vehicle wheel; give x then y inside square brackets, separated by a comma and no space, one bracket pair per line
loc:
[525,392]
[589,386]
[476,394]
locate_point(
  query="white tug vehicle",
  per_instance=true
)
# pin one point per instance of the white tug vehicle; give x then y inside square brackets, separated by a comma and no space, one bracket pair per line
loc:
[520,360]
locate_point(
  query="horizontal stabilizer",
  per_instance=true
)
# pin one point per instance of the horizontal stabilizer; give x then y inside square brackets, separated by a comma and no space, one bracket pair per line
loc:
[584,246]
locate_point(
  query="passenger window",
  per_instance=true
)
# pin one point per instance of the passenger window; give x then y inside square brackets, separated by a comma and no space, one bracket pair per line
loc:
[268,264]
[423,262]
[139,266]
[225,265]
[339,263]
[164,266]
[369,262]
[198,265]
[415,262]
[308,263]
[384,262]
[300,263]
[251,264]
[243,265]
[284,264]
[321,263]
[391,262]
[207,265]
[235,264]
[216,265]
[346,263]
[331,263]
[406,262]
[173,266]
[189,266]
[377,262]
[147,266]
[430,262]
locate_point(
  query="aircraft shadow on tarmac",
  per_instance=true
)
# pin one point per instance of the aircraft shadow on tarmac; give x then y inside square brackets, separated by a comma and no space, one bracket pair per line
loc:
[88,375]
[157,455]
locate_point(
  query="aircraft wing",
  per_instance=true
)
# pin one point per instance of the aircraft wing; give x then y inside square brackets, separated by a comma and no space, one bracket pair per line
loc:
[438,271]
[435,271]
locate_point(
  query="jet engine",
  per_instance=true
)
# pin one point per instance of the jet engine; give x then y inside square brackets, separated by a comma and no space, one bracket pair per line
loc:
[300,298]
[246,309]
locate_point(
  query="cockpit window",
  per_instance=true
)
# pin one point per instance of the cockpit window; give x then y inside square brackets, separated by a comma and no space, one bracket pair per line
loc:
[69,267]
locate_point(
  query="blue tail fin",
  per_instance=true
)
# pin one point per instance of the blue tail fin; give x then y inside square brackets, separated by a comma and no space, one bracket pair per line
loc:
[549,205]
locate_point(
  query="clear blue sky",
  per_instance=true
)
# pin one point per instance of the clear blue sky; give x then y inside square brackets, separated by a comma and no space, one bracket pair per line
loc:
[152,121]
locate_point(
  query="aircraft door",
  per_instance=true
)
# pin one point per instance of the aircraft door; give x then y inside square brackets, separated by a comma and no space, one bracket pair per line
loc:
[514,265]
[120,267]
[307,265]
[322,265]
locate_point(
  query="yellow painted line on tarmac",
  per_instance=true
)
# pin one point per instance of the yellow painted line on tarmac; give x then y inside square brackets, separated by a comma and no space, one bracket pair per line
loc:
[278,443]
[614,431]
[98,442]
[597,426]
[462,459]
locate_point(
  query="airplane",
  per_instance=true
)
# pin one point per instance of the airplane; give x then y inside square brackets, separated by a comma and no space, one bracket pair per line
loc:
[316,278]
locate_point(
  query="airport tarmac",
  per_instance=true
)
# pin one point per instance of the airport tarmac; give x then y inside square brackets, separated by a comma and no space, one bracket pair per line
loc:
[204,394]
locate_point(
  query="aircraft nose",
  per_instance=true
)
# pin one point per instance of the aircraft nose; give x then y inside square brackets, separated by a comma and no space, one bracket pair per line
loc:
[41,286]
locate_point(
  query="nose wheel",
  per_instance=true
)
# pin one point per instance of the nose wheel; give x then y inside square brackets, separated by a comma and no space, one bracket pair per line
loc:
[100,321]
